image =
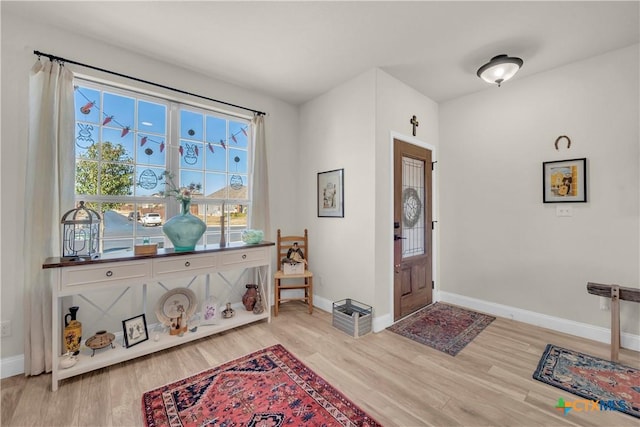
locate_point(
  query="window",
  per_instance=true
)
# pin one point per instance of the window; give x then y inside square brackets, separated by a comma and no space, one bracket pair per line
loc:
[126,140]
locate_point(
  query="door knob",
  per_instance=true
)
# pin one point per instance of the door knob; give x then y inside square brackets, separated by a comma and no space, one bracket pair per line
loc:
[396,237]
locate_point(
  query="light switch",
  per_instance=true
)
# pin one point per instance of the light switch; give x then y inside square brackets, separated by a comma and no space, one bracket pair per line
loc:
[564,211]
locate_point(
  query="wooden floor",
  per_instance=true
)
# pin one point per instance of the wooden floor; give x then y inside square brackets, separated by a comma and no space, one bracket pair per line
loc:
[397,381]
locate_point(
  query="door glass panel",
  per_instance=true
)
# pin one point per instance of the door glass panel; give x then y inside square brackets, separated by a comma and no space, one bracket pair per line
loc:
[413,218]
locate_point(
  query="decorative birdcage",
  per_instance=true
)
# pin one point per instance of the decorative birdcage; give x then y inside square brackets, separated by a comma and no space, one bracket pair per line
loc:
[80,233]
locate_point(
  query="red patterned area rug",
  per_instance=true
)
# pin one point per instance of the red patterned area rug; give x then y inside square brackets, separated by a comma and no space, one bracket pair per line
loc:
[612,385]
[442,326]
[269,387]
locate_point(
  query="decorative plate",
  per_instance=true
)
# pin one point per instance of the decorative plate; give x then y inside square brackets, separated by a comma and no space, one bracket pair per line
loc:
[100,340]
[174,303]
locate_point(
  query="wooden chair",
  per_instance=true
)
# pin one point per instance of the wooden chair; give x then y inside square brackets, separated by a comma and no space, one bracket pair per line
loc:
[287,282]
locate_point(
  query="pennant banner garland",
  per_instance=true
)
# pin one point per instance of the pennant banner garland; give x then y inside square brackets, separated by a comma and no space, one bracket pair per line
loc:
[84,134]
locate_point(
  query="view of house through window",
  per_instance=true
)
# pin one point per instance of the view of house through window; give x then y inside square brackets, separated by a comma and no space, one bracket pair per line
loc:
[128,143]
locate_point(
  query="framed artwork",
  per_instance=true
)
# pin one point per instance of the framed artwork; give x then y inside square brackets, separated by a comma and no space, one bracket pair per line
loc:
[331,193]
[564,181]
[135,330]
[210,312]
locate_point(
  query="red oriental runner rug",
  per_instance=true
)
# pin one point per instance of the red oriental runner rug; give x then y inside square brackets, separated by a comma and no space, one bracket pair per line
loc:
[269,387]
[614,387]
[442,326]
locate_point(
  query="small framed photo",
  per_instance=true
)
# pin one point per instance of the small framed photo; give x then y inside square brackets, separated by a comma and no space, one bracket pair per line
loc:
[564,181]
[331,193]
[135,330]
[210,312]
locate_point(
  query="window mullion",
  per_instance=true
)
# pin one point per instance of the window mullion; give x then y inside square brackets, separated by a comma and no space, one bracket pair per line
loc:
[173,155]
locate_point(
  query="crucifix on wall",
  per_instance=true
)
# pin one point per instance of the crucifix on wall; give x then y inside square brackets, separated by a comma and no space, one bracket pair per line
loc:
[414,122]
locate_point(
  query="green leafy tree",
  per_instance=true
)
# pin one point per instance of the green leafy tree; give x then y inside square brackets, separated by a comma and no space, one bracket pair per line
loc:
[115,172]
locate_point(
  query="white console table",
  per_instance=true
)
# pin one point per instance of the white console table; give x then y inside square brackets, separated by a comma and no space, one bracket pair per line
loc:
[118,272]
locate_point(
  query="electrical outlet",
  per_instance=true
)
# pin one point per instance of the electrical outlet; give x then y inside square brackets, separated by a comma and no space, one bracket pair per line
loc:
[564,211]
[5,328]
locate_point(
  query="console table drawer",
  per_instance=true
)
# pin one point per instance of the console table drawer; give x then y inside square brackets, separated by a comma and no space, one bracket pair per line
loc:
[183,265]
[249,255]
[104,274]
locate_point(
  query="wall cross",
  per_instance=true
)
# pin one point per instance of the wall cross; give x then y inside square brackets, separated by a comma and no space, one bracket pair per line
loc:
[415,123]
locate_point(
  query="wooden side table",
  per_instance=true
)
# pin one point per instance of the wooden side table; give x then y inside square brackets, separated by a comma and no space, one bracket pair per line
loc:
[616,293]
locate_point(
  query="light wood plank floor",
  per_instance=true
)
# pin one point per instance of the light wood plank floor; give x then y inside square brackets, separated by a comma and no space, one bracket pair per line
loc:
[397,381]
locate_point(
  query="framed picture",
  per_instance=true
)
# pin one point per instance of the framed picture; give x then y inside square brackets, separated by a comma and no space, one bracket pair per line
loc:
[564,181]
[135,330]
[331,193]
[210,312]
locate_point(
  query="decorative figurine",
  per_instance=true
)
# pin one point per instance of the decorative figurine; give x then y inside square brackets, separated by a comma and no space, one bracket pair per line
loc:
[178,325]
[228,312]
[68,361]
[294,255]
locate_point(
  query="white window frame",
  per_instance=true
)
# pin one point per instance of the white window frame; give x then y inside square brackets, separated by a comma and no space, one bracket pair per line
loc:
[174,106]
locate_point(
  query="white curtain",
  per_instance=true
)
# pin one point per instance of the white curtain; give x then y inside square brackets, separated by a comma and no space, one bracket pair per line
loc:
[260,186]
[49,193]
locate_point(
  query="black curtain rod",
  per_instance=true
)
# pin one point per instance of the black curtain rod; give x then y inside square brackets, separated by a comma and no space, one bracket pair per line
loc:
[57,58]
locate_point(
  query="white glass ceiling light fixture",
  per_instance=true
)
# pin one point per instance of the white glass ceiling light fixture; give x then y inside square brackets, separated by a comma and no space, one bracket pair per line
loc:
[500,69]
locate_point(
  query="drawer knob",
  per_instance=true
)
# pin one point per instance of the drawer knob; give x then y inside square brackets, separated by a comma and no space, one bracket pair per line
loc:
[244,256]
[187,264]
[109,273]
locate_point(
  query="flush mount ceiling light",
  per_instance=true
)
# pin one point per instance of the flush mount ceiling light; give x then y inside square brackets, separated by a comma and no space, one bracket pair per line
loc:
[500,69]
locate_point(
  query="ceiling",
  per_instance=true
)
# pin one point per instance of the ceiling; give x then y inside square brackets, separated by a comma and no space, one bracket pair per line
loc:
[297,50]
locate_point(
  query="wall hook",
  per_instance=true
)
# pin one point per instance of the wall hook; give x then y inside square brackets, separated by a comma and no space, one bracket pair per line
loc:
[559,138]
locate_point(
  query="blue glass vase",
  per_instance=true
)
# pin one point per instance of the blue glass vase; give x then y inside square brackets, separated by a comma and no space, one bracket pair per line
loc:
[184,230]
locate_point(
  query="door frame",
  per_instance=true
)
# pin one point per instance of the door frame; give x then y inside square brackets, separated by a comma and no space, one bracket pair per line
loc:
[434,209]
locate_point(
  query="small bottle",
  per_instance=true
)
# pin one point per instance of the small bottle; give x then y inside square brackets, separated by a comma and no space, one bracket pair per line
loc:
[228,312]
[258,307]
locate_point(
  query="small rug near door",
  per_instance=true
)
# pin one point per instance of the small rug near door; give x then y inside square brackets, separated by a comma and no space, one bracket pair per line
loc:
[442,326]
[269,387]
[614,386]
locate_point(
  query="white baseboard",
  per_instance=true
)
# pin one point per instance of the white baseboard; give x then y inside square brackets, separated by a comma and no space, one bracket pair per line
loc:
[583,330]
[380,323]
[10,366]
[323,303]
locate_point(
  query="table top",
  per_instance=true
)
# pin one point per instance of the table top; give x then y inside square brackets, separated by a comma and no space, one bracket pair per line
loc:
[57,262]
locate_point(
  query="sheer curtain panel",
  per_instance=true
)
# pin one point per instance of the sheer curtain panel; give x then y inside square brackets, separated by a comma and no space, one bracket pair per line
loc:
[260,198]
[49,193]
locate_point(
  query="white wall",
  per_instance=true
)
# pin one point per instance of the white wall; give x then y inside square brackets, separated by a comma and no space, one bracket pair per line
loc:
[349,127]
[396,103]
[337,131]
[19,39]
[499,242]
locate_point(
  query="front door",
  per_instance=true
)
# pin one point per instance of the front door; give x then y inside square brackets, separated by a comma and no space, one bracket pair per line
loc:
[412,228]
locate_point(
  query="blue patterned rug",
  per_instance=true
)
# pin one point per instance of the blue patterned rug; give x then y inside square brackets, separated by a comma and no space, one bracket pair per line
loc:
[612,385]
